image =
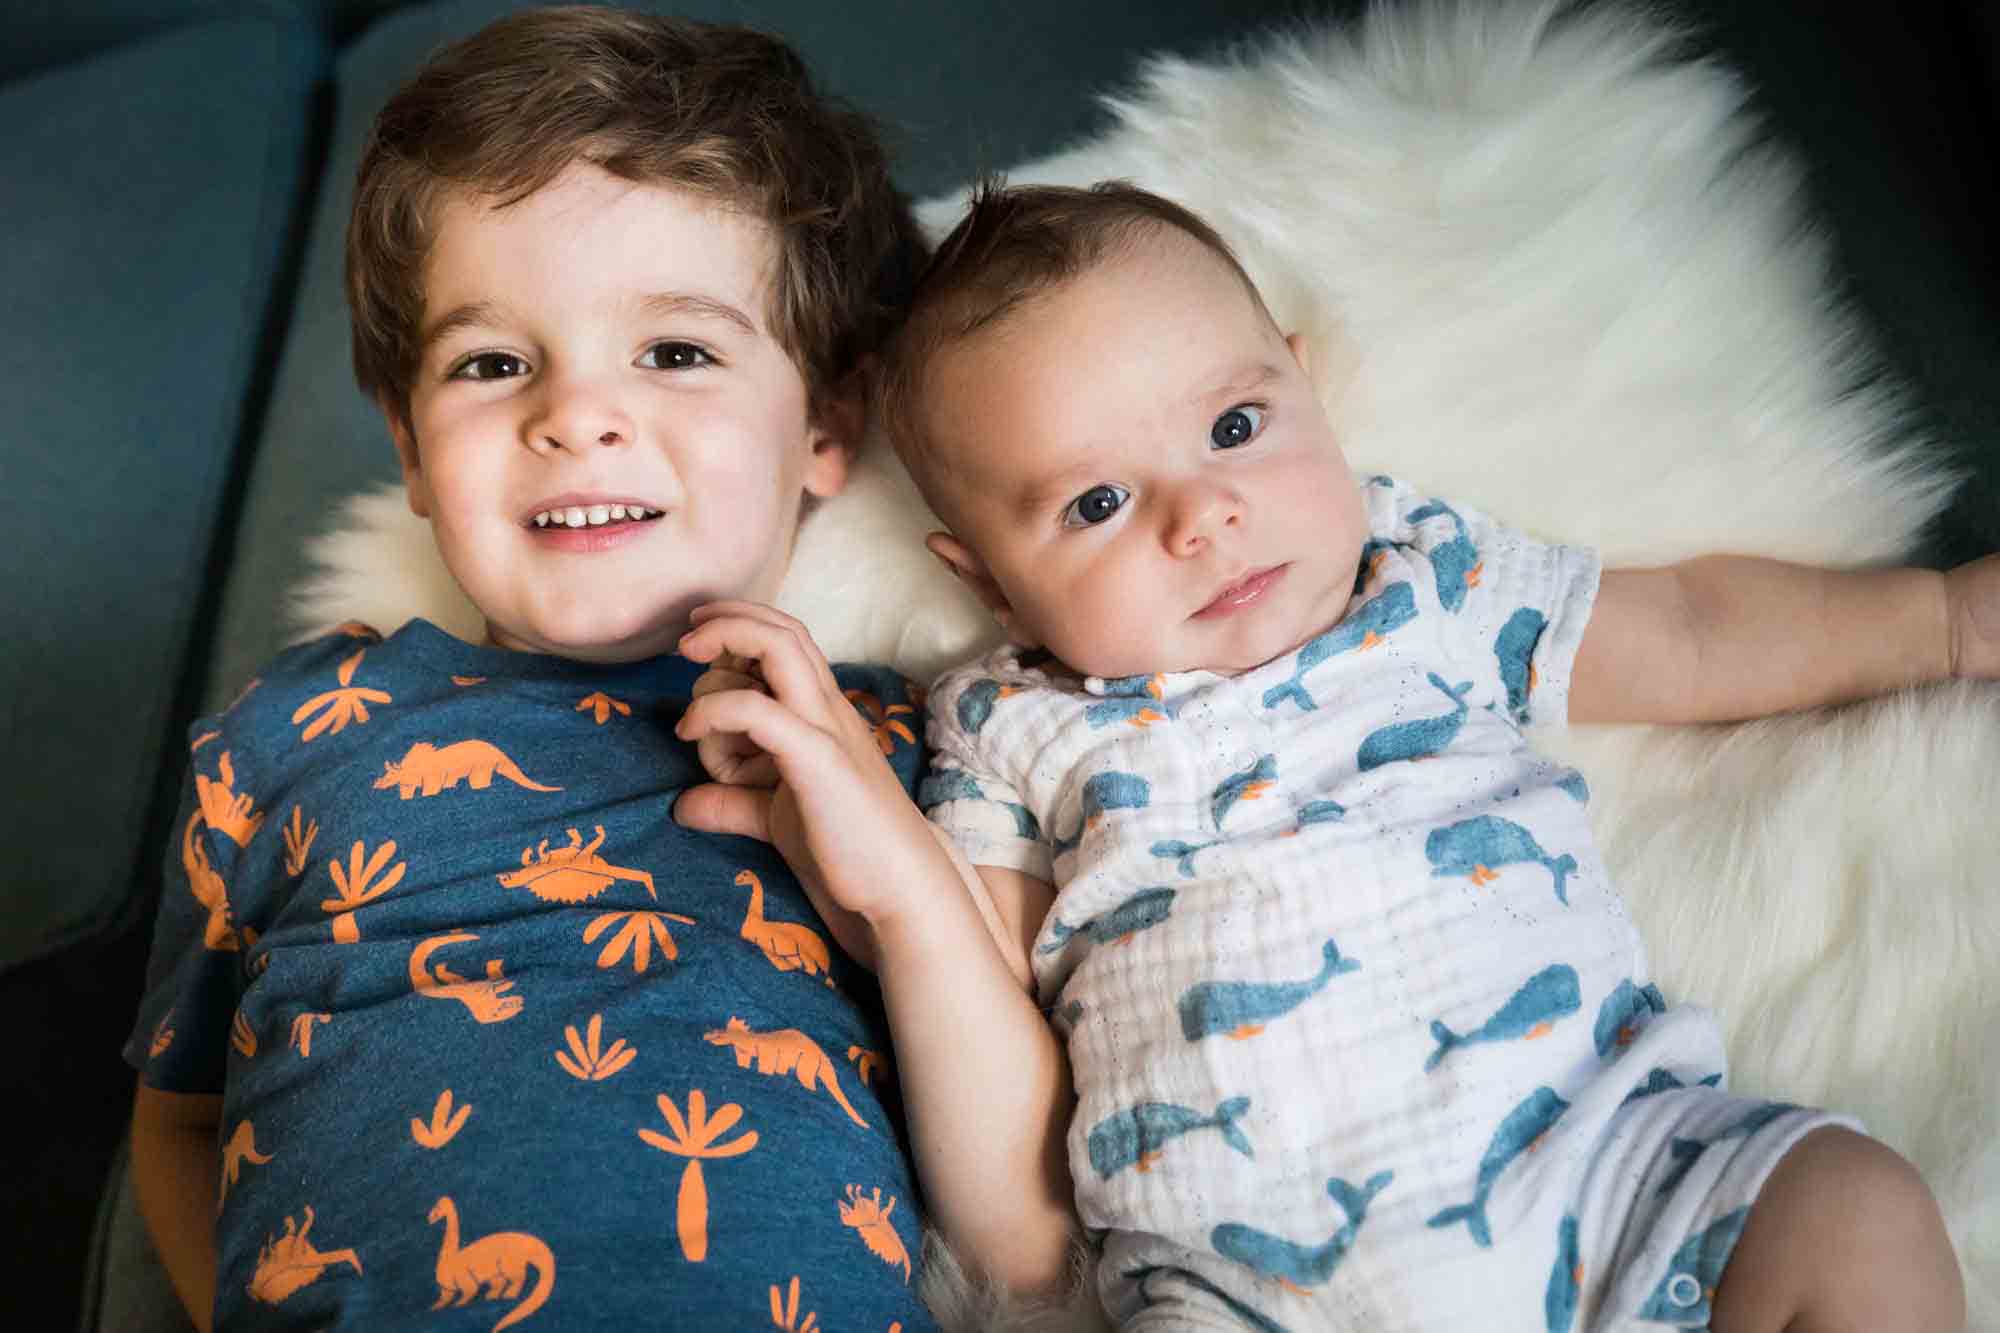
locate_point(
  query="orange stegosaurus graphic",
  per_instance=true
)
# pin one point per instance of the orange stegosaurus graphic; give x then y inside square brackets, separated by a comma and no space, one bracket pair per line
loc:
[867,1215]
[495,1267]
[429,770]
[287,1264]
[572,874]
[788,1051]
[697,1137]
[788,945]
[487,1001]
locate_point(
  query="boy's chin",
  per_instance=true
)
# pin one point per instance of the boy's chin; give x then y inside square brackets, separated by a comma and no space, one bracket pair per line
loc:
[601,644]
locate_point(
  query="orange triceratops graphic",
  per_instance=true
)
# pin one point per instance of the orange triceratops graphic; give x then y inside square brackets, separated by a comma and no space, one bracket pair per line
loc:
[494,1267]
[207,888]
[571,874]
[429,770]
[227,812]
[867,1215]
[789,1051]
[486,1000]
[789,945]
[289,1262]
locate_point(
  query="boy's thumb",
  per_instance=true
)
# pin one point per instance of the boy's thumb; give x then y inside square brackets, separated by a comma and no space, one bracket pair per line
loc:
[713,807]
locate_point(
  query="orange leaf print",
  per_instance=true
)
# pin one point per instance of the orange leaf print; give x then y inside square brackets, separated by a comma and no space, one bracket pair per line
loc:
[302,1031]
[882,720]
[463,681]
[636,935]
[336,708]
[202,740]
[356,883]
[444,1124]
[696,1138]
[298,842]
[584,1060]
[241,1036]
[163,1035]
[602,705]
[785,1311]
[221,807]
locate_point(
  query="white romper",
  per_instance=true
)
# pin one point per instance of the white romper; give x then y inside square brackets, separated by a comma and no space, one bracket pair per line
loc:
[1362,1036]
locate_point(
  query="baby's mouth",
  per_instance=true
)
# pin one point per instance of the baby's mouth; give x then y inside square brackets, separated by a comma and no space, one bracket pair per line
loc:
[593,516]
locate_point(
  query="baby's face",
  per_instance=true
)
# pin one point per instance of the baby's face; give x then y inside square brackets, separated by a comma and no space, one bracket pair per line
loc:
[604,430]
[1141,463]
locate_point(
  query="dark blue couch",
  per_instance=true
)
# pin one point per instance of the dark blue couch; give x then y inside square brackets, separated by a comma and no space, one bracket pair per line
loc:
[180,410]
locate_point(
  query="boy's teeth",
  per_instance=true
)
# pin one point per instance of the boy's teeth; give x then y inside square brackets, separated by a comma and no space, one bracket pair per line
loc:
[591,516]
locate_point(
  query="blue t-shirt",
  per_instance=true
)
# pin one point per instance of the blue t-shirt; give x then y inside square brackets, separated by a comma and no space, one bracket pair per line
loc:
[493,1033]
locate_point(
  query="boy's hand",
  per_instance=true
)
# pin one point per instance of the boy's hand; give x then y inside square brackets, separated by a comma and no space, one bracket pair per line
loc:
[731,756]
[837,814]
[1973,594]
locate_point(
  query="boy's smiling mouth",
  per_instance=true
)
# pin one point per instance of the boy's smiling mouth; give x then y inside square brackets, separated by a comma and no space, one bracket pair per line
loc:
[581,512]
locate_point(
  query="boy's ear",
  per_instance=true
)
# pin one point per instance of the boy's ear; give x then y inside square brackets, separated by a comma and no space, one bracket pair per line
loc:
[972,572]
[834,434]
[415,489]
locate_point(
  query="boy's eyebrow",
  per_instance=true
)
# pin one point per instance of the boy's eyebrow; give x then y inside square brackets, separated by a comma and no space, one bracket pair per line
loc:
[467,316]
[691,303]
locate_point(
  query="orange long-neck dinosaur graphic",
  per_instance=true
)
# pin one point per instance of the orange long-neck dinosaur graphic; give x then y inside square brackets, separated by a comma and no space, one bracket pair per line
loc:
[428,770]
[495,1267]
[288,1263]
[208,889]
[787,944]
[487,1000]
[789,1051]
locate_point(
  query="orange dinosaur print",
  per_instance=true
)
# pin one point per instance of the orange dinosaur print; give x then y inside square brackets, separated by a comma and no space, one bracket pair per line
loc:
[302,1031]
[789,1051]
[494,1267]
[572,874]
[785,1310]
[637,935]
[245,692]
[241,1036]
[430,770]
[486,1000]
[867,1216]
[202,740]
[227,812]
[787,944]
[695,1138]
[464,681]
[241,1148]
[584,1060]
[357,885]
[208,889]
[882,721]
[601,706]
[865,1062]
[288,1263]
[163,1036]
[444,1124]
[298,843]
[354,629]
[336,708]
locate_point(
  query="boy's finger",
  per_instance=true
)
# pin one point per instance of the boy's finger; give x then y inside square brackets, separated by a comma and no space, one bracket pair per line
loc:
[770,724]
[714,808]
[789,661]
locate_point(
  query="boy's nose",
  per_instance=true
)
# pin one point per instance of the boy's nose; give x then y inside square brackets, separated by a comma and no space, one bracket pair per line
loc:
[576,414]
[1202,512]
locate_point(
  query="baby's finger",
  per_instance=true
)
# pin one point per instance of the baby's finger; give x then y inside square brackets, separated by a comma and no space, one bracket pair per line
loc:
[715,808]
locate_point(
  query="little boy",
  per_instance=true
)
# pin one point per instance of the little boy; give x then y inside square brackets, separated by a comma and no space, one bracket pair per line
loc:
[444,1009]
[1361,1036]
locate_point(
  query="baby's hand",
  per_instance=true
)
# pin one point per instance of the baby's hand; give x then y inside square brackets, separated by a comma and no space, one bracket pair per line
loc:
[1973,590]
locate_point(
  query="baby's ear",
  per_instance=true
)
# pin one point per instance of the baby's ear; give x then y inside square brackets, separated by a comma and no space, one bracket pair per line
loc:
[415,489]
[972,572]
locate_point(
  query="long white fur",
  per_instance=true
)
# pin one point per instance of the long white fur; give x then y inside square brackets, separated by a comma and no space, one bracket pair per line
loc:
[1554,270]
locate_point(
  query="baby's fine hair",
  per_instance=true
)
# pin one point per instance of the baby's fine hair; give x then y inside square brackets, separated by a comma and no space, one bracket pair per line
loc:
[1014,243]
[726,112]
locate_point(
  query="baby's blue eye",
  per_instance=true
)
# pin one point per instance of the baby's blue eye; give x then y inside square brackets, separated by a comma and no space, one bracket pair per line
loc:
[490,366]
[1094,505]
[674,356]
[1239,425]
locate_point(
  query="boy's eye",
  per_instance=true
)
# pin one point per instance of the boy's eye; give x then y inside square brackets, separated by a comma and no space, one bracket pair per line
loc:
[490,366]
[1094,505]
[674,356]
[1239,425]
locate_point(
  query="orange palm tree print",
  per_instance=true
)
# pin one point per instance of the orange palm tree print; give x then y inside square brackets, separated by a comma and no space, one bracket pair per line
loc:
[636,935]
[601,706]
[696,1138]
[585,1060]
[785,1310]
[298,842]
[357,884]
[336,708]
[882,720]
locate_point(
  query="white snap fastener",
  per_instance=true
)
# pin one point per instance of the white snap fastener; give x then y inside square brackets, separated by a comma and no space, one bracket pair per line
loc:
[1683,1290]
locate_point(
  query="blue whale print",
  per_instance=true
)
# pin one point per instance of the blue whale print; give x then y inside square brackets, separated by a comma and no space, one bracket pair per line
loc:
[1473,847]
[955,784]
[1518,1133]
[1531,1012]
[1565,1279]
[1684,1294]
[1146,908]
[1241,1008]
[1574,787]
[1686,1152]
[1104,792]
[1182,854]
[1320,812]
[1455,562]
[1247,785]
[1139,1277]
[975,703]
[1421,739]
[1301,1265]
[1137,1135]
[1514,649]
[1665,1080]
[1372,621]
[1623,1013]
[1139,700]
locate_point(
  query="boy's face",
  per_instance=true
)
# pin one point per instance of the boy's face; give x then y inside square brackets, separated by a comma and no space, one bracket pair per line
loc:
[599,346]
[1142,467]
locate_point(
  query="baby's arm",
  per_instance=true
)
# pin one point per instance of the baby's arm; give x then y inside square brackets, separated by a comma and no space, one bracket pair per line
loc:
[1722,638]
[176,1170]
[985,1084]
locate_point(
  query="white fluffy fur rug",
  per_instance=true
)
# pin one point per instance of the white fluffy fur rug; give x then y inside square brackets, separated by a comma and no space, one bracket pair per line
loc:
[1571,285]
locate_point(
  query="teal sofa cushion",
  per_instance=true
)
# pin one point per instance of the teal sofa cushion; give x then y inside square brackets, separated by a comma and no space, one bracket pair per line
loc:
[150,201]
